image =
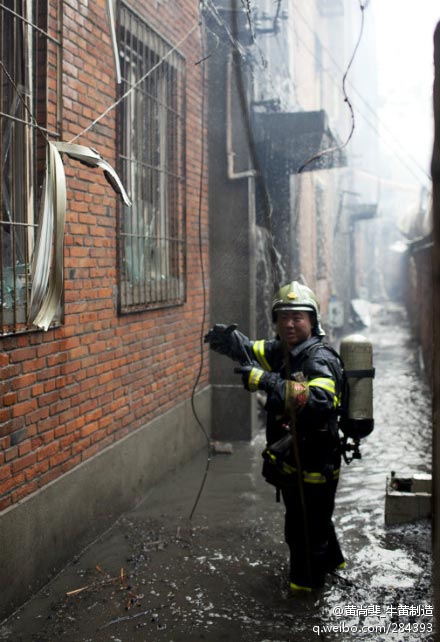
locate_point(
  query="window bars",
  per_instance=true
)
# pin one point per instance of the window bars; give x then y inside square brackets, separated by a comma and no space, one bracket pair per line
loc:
[151,234]
[29,109]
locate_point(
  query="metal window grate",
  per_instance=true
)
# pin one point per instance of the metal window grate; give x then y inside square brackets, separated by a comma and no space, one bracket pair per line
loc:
[151,234]
[29,79]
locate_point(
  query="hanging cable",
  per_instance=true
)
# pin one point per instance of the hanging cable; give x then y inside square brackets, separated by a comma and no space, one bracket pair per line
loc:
[232,35]
[247,7]
[138,82]
[363,101]
[202,268]
[346,99]
[210,6]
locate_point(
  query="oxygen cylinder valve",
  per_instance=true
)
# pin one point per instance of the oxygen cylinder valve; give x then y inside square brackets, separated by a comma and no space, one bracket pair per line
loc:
[353,448]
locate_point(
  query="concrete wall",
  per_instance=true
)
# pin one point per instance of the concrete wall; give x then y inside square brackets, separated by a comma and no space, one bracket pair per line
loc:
[435,172]
[40,534]
[419,302]
[232,241]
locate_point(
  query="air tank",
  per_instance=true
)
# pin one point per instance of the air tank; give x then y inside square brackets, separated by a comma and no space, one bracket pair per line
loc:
[357,354]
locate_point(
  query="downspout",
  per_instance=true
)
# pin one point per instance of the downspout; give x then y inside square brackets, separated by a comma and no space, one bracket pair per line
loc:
[112,24]
[230,154]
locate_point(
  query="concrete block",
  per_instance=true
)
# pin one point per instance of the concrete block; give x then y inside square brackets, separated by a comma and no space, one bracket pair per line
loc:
[408,498]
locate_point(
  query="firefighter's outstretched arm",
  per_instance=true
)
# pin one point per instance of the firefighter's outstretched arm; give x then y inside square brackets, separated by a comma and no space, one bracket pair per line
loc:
[227,340]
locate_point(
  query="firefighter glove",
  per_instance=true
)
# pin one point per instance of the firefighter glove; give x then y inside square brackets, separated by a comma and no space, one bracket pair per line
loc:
[257,379]
[229,341]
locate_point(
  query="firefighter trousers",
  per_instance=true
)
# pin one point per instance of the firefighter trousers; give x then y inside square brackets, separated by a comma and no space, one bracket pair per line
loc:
[310,533]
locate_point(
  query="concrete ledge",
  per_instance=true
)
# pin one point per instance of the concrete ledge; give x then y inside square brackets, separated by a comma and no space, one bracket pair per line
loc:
[39,535]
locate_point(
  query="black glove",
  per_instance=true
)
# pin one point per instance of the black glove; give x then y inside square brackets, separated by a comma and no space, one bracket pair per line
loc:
[256,379]
[229,341]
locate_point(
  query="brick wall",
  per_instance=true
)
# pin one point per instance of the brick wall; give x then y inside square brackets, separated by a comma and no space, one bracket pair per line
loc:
[70,392]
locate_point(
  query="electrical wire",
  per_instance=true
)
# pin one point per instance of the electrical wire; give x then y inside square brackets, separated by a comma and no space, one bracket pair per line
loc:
[359,95]
[237,46]
[202,269]
[268,209]
[134,85]
[335,148]
[210,6]
[247,7]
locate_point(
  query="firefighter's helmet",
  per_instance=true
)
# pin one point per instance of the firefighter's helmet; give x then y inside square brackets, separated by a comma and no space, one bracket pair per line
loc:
[296,296]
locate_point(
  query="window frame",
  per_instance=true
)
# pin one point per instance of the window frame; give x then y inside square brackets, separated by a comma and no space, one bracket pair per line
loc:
[151,267]
[30,111]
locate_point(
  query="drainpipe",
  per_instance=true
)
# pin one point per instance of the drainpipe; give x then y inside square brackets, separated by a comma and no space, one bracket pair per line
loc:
[230,154]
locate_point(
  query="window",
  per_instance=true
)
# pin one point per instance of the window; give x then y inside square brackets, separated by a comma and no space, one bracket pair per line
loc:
[29,111]
[151,233]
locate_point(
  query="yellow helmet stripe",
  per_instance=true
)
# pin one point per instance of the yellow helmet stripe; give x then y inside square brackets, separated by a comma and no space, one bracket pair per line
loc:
[258,348]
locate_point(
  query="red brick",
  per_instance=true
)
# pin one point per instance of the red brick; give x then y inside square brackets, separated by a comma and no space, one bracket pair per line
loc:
[48,450]
[24,491]
[5,503]
[80,445]
[9,398]
[24,462]
[11,453]
[24,354]
[59,458]
[37,470]
[5,472]
[22,409]
[24,448]
[23,381]
[10,483]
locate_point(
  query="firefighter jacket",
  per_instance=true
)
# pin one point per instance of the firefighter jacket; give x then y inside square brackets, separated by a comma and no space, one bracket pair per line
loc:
[306,398]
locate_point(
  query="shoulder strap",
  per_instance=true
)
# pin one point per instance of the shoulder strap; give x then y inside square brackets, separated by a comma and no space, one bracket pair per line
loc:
[317,346]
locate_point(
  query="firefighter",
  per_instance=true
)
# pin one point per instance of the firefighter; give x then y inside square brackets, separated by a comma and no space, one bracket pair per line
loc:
[302,378]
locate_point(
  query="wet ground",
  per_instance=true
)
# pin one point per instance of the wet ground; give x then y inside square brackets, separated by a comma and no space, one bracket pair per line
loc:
[158,576]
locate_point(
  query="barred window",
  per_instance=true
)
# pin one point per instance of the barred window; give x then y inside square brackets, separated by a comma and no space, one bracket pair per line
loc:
[151,233]
[29,111]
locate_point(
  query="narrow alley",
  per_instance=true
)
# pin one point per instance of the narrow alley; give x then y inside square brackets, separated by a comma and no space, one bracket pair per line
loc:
[158,576]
